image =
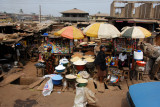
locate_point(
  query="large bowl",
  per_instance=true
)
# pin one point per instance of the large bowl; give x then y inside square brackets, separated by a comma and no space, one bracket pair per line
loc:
[82,84]
[57,79]
[69,78]
[65,64]
[80,67]
[141,63]
[57,82]
[60,70]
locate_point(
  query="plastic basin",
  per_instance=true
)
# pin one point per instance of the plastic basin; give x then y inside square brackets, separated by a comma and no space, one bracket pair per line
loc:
[57,79]
[80,67]
[141,63]
[60,70]
[82,84]
[57,82]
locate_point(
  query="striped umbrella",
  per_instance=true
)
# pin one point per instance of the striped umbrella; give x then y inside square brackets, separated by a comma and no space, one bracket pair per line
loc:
[101,30]
[70,32]
[136,32]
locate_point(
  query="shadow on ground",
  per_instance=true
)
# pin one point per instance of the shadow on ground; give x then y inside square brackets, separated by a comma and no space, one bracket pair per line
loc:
[26,103]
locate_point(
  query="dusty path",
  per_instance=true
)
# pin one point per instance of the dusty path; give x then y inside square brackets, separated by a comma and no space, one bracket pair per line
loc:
[20,96]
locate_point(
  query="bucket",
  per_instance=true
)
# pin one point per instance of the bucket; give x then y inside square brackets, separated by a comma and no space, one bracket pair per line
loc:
[138,55]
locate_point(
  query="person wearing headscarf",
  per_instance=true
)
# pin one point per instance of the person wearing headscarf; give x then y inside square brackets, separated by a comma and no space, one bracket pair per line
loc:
[49,60]
[97,48]
[100,63]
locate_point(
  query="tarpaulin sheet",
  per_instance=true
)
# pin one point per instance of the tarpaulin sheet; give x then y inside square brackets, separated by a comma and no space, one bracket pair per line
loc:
[145,94]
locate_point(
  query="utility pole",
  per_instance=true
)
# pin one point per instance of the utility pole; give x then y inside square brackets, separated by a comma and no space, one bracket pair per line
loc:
[40,13]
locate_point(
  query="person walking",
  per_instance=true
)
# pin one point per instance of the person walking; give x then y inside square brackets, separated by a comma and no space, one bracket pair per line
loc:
[100,63]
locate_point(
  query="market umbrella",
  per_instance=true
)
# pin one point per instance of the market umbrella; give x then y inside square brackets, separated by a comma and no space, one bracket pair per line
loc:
[135,32]
[70,32]
[101,30]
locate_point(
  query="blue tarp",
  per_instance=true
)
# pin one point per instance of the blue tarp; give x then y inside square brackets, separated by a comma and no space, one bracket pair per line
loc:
[145,94]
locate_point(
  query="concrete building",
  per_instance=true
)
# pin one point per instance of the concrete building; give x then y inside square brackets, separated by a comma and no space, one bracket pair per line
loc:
[99,17]
[135,9]
[74,15]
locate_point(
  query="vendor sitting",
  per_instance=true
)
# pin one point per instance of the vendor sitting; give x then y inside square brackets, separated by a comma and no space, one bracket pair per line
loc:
[122,60]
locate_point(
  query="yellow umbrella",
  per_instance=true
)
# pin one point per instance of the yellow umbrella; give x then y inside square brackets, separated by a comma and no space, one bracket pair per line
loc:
[101,30]
[70,32]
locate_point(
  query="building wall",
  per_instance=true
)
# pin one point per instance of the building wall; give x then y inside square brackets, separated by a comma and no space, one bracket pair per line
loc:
[129,10]
[157,12]
[137,12]
[145,10]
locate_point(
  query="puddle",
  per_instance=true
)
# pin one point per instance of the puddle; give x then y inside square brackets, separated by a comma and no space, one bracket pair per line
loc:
[25,103]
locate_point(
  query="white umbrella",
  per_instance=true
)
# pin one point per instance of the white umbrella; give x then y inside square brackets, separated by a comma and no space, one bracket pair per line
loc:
[101,30]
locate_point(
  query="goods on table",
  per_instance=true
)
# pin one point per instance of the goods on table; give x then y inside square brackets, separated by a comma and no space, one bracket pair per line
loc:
[70,76]
[113,78]
[77,55]
[91,42]
[60,68]
[64,61]
[89,53]
[83,43]
[88,56]
[84,74]
[82,82]
[79,62]
[89,59]
[75,59]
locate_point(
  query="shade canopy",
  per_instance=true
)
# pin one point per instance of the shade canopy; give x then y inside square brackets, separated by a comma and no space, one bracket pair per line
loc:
[70,32]
[101,30]
[136,32]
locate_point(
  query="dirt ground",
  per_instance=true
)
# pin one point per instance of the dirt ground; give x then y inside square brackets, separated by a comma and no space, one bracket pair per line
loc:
[20,96]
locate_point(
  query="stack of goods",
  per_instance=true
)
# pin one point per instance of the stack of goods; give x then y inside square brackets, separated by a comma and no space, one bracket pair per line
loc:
[113,61]
[76,56]
[89,53]
[80,65]
[92,43]
[74,59]
[82,82]
[64,61]
[79,62]
[60,68]
[70,77]
[83,43]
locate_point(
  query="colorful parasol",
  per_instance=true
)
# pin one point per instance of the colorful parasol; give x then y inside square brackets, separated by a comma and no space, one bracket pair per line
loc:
[70,32]
[101,30]
[135,32]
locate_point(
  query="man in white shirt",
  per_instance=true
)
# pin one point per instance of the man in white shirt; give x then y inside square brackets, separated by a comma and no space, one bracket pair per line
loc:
[122,60]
